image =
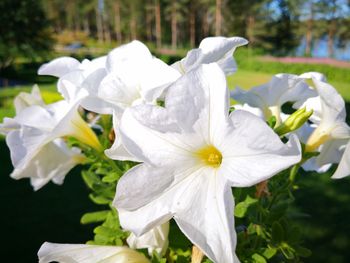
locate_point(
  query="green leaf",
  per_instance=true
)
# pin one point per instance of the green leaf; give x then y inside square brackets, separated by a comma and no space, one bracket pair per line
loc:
[303,252]
[90,178]
[287,251]
[94,217]
[277,233]
[269,252]
[256,258]
[99,199]
[242,207]
[111,177]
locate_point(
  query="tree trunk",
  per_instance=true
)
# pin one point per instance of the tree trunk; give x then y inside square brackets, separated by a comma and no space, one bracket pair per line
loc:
[308,37]
[149,24]
[158,23]
[309,31]
[205,24]
[133,30]
[86,26]
[331,33]
[118,31]
[218,17]
[106,28]
[192,26]
[250,29]
[173,25]
[99,26]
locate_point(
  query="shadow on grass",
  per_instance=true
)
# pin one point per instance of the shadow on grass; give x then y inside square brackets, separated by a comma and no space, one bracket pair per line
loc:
[30,218]
[327,224]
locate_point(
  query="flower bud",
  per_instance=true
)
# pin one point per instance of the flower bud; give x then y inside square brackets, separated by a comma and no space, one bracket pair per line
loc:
[294,121]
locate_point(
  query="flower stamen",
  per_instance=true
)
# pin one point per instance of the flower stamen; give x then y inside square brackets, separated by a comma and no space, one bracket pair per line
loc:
[210,156]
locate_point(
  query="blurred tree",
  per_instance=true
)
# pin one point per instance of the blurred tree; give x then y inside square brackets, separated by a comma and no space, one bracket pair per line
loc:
[177,13]
[157,13]
[218,17]
[282,37]
[248,18]
[25,30]
[334,12]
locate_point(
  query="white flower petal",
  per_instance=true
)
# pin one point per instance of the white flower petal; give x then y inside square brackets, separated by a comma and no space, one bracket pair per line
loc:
[207,216]
[201,106]
[52,162]
[155,240]
[36,117]
[151,124]
[24,99]
[142,208]
[256,111]
[333,105]
[340,131]
[314,75]
[80,253]
[331,152]
[120,56]
[59,66]
[212,49]
[343,169]
[252,152]
[8,125]
[311,165]
[118,151]
[253,99]
[280,89]
[113,90]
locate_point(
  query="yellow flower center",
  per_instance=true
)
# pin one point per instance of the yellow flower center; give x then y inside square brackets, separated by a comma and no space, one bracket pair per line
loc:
[210,156]
[317,138]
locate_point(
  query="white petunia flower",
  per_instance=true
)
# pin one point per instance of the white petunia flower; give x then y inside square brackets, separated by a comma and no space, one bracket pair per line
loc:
[133,77]
[33,138]
[193,153]
[24,99]
[331,135]
[271,96]
[212,49]
[75,79]
[80,253]
[154,240]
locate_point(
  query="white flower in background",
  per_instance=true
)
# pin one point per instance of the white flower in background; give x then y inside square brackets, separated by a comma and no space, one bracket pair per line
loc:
[21,101]
[212,49]
[52,162]
[193,153]
[33,138]
[80,253]
[75,78]
[154,240]
[256,111]
[331,135]
[134,77]
[24,99]
[129,75]
[271,96]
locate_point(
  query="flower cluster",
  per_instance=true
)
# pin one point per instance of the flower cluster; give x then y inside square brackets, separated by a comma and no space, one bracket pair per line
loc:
[178,143]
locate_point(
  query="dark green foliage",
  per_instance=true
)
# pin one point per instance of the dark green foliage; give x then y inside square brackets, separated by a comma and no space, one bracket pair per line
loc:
[24,30]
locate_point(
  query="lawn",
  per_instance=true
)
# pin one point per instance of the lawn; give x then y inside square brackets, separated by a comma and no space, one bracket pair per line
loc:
[52,214]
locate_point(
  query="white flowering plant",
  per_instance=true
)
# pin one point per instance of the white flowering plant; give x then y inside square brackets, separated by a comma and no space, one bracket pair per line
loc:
[181,175]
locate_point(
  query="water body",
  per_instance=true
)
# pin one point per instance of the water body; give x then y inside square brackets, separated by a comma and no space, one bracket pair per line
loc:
[319,49]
